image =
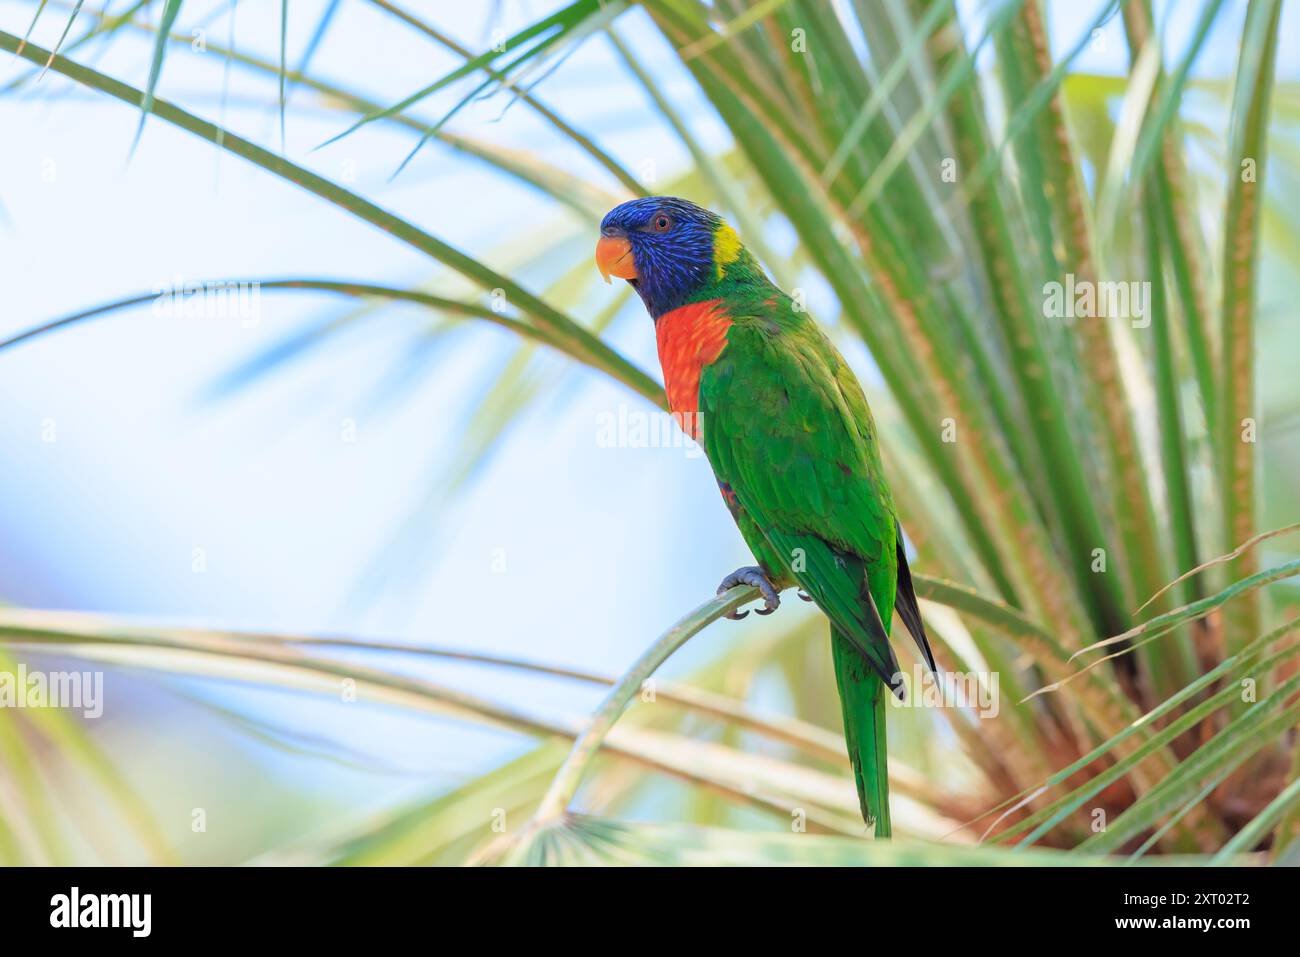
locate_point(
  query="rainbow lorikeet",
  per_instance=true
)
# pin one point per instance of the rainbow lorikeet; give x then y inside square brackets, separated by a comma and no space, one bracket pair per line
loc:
[786,427]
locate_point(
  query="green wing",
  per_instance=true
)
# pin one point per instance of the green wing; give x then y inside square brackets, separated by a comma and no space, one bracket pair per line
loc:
[787,429]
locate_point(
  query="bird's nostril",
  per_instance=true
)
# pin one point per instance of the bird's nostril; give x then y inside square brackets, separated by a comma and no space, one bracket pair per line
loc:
[612,231]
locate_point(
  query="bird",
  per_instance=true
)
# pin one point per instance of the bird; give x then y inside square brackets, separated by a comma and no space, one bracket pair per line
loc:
[785,426]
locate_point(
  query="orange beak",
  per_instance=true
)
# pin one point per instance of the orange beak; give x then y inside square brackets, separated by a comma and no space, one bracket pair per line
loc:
[614,258]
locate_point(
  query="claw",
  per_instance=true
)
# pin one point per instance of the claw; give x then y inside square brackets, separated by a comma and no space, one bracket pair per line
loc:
[754,576]
[803,597]
[737,615]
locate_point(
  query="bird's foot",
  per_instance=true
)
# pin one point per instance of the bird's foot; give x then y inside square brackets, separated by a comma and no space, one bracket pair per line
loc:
[752,575]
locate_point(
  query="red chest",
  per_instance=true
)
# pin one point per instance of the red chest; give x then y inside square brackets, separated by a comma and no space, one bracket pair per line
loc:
[689,338]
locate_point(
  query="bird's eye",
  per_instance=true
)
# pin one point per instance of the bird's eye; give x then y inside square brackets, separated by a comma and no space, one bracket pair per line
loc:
[661,224]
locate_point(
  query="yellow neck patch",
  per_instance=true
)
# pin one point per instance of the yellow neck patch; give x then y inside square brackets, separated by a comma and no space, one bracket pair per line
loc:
[726,248]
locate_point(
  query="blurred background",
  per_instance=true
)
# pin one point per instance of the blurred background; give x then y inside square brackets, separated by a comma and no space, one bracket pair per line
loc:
[358,467]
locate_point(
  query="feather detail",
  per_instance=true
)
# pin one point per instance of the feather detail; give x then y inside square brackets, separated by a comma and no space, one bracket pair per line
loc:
[689,338]
[905,605]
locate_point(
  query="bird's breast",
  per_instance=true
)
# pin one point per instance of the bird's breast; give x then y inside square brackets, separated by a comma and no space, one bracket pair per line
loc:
[689,338]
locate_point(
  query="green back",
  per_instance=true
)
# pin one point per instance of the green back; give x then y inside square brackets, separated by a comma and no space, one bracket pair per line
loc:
[786,425]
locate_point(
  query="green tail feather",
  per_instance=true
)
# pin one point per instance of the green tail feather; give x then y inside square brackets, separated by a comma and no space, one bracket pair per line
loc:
[862,696]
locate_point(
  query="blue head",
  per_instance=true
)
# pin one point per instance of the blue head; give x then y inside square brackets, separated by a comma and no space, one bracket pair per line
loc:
[668,249]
